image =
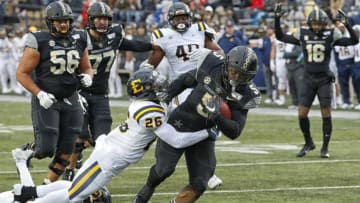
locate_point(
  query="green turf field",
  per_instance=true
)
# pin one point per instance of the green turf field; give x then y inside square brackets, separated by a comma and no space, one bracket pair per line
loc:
[258,167]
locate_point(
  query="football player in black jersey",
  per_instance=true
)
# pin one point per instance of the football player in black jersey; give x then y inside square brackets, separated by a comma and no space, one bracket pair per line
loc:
[316,41]
[105,39]
[49,69]
[229,78]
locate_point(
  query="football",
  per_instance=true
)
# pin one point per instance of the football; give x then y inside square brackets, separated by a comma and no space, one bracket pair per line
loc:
[225,109]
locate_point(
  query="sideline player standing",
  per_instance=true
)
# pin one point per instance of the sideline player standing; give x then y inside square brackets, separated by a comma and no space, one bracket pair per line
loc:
[48,69]
[317,42]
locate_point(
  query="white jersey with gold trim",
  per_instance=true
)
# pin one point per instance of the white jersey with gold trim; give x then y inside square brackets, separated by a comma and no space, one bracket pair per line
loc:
[131,139]
[177,46]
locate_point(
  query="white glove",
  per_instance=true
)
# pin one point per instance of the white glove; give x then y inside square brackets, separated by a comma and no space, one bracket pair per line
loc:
[86,80]
[46,99]
[146,66]
[272,66]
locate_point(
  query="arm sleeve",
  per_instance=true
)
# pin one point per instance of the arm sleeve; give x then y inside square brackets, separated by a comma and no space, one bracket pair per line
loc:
[348,41]
[168,134]
[284,37]
[134,45]
[232,128]
[186,80]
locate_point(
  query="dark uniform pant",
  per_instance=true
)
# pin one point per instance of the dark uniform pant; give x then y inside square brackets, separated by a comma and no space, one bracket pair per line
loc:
[57,128]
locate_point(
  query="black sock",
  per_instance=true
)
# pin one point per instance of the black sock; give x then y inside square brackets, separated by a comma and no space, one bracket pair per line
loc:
[305,129]
[327,130]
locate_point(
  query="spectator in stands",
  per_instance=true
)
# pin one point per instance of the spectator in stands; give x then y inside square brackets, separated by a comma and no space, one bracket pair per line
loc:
[228,40]
[141,35]
[2,12]
[261,44]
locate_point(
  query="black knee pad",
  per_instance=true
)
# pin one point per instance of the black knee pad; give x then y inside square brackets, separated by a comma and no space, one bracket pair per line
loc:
[62,162]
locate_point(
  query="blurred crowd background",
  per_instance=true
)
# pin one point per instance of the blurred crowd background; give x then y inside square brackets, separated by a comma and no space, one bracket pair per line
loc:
[236,22]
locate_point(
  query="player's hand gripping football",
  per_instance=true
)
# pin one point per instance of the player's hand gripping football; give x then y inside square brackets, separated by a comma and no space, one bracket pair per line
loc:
[212,107]
[278,10]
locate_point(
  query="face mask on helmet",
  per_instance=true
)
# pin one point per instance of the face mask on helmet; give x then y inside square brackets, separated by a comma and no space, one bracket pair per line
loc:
[179,17]
[145,83]
[59,19]
[317,20]
[99,17]
[241,65]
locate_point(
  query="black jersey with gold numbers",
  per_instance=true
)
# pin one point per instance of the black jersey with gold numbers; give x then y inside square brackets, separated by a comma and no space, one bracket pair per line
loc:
[59,62]
[316,49]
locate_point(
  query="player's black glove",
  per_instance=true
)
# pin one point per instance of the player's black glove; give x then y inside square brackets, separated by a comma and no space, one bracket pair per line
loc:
[278,10]
[163,96]
[212,107]
[344,17]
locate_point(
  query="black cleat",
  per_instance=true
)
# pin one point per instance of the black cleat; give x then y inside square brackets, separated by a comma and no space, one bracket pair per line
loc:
[69,175]
[307,148]
[324,153]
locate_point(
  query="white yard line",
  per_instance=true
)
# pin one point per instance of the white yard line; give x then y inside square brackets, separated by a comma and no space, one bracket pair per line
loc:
[222,165]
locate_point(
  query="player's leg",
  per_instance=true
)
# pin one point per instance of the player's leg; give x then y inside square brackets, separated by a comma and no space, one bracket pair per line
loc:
[167,158]
[324,94]
[21,156]
[307,95]
[200,161]
[70,126]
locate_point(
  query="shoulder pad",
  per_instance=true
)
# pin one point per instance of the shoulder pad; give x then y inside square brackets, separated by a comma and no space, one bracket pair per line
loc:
[145,110]
[157,33]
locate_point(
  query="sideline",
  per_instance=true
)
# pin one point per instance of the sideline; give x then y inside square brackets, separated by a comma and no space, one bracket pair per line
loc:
[260,111]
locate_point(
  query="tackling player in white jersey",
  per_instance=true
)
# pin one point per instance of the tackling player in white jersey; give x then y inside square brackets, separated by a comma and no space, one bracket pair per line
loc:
[115,151]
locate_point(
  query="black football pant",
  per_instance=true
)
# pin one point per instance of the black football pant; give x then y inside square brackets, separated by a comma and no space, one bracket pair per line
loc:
[200,160]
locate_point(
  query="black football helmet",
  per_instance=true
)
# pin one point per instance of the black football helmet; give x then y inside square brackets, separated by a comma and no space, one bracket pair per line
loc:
[59,10]
[101,196]
[242,60]
[178,9]
[99,9]
[144,84]
[318,17]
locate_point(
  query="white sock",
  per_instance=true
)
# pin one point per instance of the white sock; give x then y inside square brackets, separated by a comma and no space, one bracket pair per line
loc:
[25,176]
[43,190]
[59,196]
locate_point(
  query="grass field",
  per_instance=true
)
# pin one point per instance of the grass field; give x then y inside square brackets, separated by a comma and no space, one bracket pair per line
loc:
[258,167]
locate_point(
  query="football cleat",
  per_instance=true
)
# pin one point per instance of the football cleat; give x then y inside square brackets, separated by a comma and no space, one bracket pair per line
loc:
[69,174]
[22,155]
[29,146]
[307,148]
[79,161]
[324,153]
[214,182]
